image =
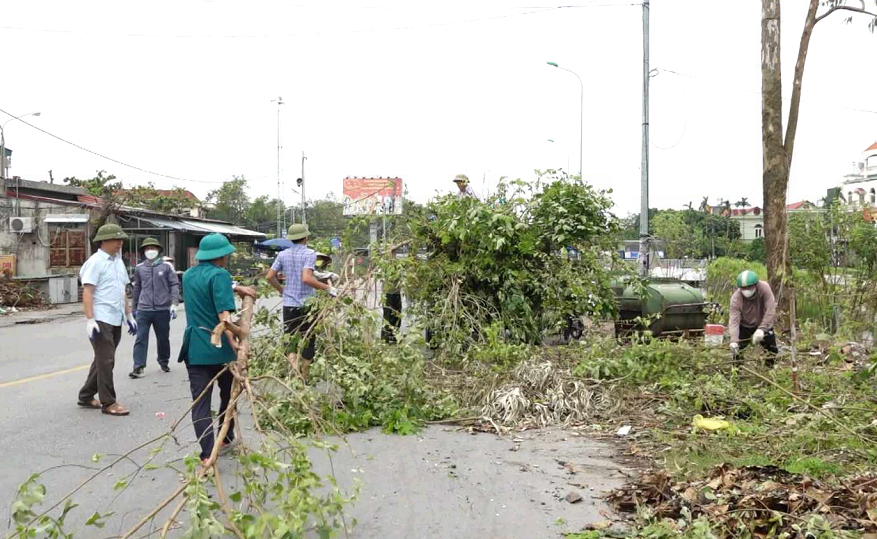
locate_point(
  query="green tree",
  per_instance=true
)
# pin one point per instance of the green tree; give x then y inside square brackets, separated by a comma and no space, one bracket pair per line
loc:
[680,238]
[174,200]
[230,201]
[777,146]
[261,214]
[108,189]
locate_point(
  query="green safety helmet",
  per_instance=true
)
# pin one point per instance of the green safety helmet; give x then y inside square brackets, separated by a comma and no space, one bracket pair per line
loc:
[746,279]
[151,242]
[297,231]
[462,178]
[109,232]
[214,246]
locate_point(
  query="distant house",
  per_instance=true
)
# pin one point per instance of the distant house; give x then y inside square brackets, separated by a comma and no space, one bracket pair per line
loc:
[46,231]
[751,221]
[859,189]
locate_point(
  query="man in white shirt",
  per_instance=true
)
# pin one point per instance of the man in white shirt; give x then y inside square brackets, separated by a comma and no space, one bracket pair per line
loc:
[104,279]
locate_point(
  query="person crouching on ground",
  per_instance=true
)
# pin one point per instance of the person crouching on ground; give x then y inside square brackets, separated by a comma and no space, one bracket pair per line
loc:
[156,296]
[753,313]
[104,279]
[297,264]
[209,299]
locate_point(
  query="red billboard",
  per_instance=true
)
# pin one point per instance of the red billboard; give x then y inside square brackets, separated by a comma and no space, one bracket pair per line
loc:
[372,196]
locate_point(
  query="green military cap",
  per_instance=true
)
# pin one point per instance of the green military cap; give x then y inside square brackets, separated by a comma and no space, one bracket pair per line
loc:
[151,242]
[214,246]
[297,232]
[110,232]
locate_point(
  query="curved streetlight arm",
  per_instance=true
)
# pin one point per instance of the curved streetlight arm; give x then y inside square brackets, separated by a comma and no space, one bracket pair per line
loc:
[581,112]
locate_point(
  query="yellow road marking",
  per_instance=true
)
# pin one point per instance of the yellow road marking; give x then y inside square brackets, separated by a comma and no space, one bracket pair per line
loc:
[43,376]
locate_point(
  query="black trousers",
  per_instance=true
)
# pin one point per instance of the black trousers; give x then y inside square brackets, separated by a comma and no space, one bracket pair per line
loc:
[296,320]
[100,375]
[199,378]
[392,317]
[769,343]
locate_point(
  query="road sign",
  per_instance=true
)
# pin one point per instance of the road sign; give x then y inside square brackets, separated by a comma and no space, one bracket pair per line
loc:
[372,196]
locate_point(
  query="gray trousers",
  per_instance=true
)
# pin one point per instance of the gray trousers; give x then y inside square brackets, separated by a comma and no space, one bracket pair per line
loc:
[100,375]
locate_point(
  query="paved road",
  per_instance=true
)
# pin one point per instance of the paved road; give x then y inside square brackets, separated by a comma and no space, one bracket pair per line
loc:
[409,487]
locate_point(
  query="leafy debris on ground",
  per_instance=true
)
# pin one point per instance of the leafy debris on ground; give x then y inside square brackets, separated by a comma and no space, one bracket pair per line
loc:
[20,295]
[753,498]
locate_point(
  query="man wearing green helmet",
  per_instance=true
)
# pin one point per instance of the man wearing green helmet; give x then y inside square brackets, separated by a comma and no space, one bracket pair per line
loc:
[104,279]
[156,296]
[209,299]
[753,313]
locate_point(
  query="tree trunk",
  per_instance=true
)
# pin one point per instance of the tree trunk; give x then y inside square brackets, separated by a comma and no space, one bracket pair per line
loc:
[775,161]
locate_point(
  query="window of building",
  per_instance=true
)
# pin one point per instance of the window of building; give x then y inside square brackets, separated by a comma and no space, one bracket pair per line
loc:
[68,247]
[873,196]
[759,231]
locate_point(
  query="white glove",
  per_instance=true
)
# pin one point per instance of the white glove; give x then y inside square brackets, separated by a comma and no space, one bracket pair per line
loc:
[333,292]
[758,336]
[132,324]
[735,346]
[173,312]
[91,328]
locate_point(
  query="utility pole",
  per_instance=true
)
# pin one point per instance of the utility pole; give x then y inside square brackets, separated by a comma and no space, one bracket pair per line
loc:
[304,215]
[644,166]
[281,214]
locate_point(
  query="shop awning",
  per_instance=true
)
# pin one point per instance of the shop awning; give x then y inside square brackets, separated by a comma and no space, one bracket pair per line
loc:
[229,230]
[202,227]
[69,218]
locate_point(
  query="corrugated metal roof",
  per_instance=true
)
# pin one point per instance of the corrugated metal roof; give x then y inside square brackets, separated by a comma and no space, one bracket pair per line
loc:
[66,218]
[223,229]
[202,227]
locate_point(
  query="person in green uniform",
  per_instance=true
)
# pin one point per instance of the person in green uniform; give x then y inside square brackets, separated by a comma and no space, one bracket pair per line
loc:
[209,299]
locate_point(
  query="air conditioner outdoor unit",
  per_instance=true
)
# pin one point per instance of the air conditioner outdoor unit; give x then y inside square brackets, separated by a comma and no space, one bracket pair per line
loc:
[21,225]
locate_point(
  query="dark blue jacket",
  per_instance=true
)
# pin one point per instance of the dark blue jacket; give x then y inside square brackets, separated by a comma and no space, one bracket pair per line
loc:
[156,286]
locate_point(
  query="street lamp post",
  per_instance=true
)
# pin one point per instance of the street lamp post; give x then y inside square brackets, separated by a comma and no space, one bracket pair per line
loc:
[581,112]
[3,142]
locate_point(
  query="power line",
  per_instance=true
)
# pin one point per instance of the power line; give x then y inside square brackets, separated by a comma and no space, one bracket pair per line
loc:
[311,34]
[757,92]
[110,158]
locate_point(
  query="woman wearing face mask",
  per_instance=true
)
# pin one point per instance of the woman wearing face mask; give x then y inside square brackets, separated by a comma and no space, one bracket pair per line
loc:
[156,296]
[753,312]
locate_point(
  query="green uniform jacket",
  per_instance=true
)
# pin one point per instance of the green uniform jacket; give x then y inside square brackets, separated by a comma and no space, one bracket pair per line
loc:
[208,290]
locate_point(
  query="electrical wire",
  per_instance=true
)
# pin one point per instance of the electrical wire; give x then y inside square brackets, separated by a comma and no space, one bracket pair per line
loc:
[684,126]
[159,174]
[757,92]
[311,34]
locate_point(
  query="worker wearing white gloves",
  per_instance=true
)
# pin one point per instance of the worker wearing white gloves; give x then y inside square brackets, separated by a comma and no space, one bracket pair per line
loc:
[156,296]
[753,312]
[104,279]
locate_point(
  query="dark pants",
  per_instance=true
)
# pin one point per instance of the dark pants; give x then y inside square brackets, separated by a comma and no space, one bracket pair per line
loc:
[295,320]
[769,343]
[199,378]
[161,321]
[100,375]
[392,317]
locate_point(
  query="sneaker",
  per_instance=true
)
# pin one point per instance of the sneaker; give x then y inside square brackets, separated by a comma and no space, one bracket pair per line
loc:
[136,373]
[166,368]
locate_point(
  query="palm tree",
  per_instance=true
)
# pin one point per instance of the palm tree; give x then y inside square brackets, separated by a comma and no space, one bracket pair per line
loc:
[742,203]
[705,204]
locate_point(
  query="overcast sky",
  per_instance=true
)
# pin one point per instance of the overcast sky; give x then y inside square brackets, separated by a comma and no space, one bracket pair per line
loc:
[424,91]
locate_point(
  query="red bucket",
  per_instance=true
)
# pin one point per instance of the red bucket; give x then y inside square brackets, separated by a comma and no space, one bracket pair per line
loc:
[714,329]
